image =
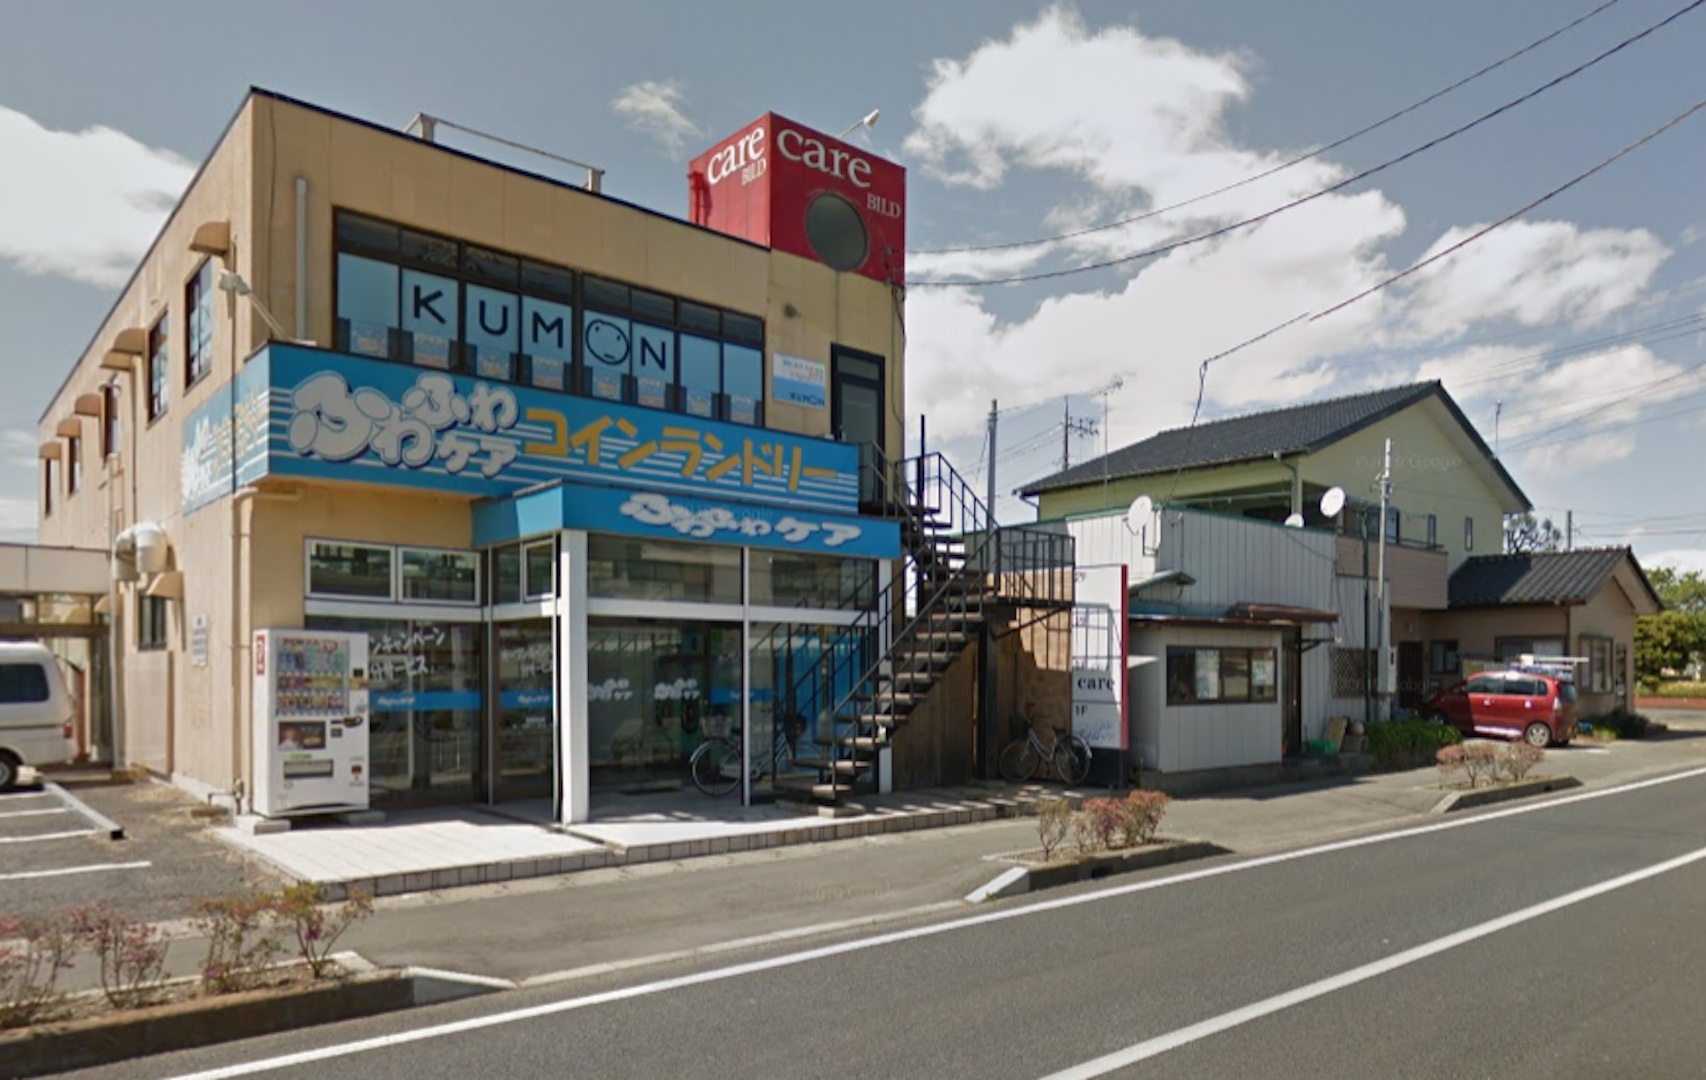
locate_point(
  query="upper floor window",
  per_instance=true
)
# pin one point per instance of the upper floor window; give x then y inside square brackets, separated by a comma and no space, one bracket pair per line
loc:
[1468,534]
[159,364]
[1393,521]
[109,420]
[198,307]
[48,477]
[151,626]
[73,464]
[422,299]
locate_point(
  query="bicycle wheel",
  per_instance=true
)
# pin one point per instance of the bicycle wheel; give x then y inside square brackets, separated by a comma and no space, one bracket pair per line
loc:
[715,766]
[1019,761]
[1072,760]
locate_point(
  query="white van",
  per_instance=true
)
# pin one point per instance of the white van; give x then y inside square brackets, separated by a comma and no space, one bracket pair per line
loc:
[35,711]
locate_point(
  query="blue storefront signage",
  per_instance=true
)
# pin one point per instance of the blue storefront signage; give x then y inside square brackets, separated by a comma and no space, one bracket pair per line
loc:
[386,701]
[337,416]
[225,439]
[666,516]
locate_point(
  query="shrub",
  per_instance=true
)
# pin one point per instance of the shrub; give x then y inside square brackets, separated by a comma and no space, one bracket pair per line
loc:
[1480,759]
[1084,835]
[243,940]
[1105,819]
[1449,760]
[1054,821]
[316,924]
[1141,813]
[1409,742]
[132,953]
[36,951]
[1625,724]
[1518,758]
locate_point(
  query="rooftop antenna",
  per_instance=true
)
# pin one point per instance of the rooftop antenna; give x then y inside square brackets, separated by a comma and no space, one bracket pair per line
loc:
[1498,407]
[1106,393]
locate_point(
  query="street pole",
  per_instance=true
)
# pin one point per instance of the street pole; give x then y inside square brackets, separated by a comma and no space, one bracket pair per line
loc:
[989,501]
[1380,580]
[1367,621]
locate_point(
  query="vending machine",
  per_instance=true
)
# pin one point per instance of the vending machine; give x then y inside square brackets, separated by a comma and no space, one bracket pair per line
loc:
[311,722]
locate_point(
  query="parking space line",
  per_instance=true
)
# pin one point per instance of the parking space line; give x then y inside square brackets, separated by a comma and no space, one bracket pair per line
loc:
[98,821]
[22,875]
[46,836]
[25,795]
[33,813]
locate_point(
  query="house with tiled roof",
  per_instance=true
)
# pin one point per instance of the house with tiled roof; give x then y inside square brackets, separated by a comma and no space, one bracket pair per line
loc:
[1236,562]
[1580,603]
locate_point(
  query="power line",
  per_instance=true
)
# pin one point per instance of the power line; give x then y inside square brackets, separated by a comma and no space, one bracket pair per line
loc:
[1263,175]
[1554,193]
[1348,181]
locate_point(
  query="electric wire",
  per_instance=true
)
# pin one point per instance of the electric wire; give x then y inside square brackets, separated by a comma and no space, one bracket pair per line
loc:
[1355,178]
[1299,160]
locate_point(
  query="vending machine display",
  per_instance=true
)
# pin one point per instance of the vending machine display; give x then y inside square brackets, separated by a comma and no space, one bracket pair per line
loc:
[311,722]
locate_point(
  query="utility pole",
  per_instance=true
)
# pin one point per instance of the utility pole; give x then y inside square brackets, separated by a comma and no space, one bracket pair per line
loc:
[1380,581]
[989,505]
[1569,530]
[1070,427]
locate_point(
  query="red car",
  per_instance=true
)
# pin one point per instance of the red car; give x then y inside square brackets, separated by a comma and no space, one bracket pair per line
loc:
[1536,708]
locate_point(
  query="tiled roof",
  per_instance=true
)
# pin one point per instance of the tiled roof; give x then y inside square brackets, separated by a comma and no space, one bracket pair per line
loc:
[1542,577]
[1297,429]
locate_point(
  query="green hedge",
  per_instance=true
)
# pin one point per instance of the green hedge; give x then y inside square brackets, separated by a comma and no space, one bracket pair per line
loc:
[1409,742]
[1674,689]
[1627,725]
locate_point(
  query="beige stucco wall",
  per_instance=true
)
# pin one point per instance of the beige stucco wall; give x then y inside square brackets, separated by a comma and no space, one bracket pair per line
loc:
[242,559]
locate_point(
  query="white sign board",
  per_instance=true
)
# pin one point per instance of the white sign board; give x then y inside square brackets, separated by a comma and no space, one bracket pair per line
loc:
[1099,657]
[198,640]
[799,381]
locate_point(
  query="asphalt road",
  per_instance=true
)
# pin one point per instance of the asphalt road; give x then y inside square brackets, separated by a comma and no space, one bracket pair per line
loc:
[1467,948]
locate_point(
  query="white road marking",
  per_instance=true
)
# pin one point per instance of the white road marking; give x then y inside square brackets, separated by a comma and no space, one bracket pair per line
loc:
[1149,1048]
[735,971]
[46,836]
[33,813]
[22,875]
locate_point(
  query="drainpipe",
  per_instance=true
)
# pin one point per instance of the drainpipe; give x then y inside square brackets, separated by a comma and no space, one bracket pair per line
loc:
[242,705]
[1296,483]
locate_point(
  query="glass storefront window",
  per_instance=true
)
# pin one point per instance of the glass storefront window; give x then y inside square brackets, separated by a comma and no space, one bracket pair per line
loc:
[540,564]
[441,576]
[424,682]
[354,570]
[789,579]
[632,569]
[527,726]
[655,691]
[506,575]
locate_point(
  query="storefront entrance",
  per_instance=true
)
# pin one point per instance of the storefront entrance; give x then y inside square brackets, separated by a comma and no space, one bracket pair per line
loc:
[525,721]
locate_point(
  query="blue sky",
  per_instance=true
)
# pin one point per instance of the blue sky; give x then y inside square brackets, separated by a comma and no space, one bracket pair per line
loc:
[1016,121]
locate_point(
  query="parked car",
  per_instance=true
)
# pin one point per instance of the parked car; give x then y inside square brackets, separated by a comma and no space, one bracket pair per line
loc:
[1538,708]
[35,711]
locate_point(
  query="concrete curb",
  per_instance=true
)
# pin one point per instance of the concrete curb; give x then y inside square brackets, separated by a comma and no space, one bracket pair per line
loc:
[98,821]
[184,1025]
[1029,877]
[1489,796]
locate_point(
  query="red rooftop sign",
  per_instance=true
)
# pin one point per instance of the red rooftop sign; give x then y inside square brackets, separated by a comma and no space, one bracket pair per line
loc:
[797,190]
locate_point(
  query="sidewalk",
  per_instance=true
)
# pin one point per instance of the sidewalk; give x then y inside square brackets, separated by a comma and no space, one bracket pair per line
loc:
[631,913]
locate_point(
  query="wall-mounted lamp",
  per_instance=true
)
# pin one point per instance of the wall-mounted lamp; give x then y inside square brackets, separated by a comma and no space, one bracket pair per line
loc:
[232,282]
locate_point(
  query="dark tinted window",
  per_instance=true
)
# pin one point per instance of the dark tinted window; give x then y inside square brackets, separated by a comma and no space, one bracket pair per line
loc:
[22,684]
[1567,693]
[1486,684]
[606,294]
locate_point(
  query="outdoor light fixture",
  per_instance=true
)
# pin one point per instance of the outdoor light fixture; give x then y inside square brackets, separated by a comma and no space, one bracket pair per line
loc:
[869,120]
[233,282]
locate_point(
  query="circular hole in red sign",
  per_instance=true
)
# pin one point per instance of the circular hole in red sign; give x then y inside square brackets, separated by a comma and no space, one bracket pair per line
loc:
[836,232]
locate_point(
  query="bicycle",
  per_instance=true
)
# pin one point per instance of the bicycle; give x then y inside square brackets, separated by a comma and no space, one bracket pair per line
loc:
[1066,753]
[715,763]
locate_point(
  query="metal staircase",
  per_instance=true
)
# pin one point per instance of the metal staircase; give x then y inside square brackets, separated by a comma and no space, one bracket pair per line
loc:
[874,673]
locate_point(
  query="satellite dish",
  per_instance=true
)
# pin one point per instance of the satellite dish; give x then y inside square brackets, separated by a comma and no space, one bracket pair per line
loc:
[1332,501]
[1295,521]
[1137,517]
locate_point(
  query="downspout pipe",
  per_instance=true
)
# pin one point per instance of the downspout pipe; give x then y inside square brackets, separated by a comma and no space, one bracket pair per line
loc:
[1296,483]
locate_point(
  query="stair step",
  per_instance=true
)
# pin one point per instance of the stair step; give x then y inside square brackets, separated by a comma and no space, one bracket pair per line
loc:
[838,766]
[861,744]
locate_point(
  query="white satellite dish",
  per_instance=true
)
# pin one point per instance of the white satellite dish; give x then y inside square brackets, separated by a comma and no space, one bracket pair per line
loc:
[1332,501]
[1137,517]
[1295,521]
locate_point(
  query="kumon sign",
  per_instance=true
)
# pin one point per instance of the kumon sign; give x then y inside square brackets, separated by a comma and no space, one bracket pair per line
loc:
[793,189]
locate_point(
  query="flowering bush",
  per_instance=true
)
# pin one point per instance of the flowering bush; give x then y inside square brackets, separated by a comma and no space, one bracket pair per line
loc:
[132,953]
[318,926]
[1106,822]
[1518,759]
[32,954]
[1509,763]
[243,940]
[1450,761]
[1054,821]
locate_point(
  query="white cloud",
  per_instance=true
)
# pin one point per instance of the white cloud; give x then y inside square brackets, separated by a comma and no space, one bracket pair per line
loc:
[18,447]
[1114,122]
[653,108]
[1681,559]
[17,521]
[85,204]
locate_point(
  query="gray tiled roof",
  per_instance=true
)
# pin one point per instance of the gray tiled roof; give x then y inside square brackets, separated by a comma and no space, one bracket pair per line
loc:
[1295,429]
[1542,577]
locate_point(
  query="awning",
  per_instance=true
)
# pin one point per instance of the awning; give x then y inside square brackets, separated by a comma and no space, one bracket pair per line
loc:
[1161,577]
[1279,613]
[167,585]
